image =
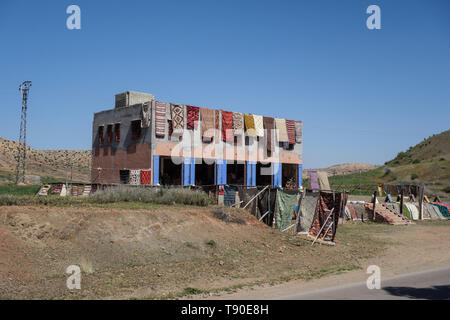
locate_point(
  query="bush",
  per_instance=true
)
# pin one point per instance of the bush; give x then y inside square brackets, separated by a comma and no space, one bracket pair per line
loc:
[168,196]
[414,176]
[446,189]
[415,161]
[228,217]
[152,195]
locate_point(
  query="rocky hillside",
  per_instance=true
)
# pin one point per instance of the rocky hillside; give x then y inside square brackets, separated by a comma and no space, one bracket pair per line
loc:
[50,164]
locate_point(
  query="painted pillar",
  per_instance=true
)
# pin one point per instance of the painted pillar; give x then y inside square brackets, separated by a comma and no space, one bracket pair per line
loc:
[155,170]
[186,171]
[300,175]
[192,182]
[221,172]
[251,173]
[276,177]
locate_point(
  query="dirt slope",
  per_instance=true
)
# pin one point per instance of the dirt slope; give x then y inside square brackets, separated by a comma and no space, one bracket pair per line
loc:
[52,163]
[165,252]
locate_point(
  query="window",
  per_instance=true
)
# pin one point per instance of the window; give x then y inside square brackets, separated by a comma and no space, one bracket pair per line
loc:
[100,134]
[117,132]
[135,129]
[109,133]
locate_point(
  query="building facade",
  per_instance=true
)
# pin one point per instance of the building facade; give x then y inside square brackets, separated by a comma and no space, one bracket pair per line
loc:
[145,141]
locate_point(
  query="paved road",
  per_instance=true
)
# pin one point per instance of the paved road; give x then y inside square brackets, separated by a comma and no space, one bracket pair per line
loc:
[430,284]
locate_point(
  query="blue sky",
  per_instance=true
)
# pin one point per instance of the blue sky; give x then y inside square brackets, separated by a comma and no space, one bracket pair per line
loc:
[363,95]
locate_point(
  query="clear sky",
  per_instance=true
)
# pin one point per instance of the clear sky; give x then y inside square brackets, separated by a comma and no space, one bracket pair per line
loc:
[363,95]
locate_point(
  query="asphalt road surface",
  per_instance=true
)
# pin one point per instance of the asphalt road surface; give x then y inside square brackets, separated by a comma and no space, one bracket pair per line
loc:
[430,284]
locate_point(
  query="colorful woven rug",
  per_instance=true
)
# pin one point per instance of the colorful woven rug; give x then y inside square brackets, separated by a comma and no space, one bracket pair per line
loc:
[238,123]
[160,118]
[192,114]
[250,125]
[298,131]
[177,113]
[280,125]
[145,176]
[290,127]
[207,123]
[259,127]
[227,126]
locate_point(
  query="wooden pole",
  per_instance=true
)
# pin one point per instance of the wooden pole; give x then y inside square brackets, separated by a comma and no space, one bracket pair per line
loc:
[374,203]
[325,222]
[421,192]
[255,197]
[297,221]
[401,202]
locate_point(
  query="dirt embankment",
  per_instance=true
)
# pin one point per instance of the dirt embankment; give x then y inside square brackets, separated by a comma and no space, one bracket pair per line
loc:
[164,253]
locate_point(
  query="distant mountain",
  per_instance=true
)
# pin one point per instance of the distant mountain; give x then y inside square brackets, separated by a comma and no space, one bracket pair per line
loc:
[51,164]
[343,169]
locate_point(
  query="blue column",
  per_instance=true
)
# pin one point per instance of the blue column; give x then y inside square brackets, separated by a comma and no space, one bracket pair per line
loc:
[186,171]
[221,172]
[224,172]
[155,170]
[300,175]
[277,169]
[248,171]
[253,173]
[192,182]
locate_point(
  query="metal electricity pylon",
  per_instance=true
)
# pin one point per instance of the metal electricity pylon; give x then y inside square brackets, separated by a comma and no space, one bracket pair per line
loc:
[22,149]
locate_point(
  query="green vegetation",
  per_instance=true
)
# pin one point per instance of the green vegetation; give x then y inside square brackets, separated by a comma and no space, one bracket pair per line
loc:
[152,195]
[116,197]
[13,189]
[363,178]
[437,144]
[446,189]
[414,176]
[211,243]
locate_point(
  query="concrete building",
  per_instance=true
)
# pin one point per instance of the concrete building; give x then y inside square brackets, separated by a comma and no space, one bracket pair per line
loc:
[124,139]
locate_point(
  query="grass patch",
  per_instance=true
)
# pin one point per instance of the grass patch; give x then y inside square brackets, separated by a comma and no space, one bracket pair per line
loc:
[13,189]
[211,243]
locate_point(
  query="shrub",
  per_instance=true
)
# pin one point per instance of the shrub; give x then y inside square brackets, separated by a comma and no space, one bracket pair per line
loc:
[414,176]
[152,195]
[415,161]
[228,217]
[446,189]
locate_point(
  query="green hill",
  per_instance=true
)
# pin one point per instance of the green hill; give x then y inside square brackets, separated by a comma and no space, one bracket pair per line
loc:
[428,162]
[438,145]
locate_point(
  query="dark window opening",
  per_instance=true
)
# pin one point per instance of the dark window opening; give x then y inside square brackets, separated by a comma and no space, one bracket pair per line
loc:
[169,172]
[117,132]
[204,173]
[289,175]
[109,133]
[235,173]
[263,174]
[100,134]
[135,129]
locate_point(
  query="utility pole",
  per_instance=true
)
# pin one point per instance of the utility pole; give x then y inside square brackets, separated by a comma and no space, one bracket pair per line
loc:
[22,149]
